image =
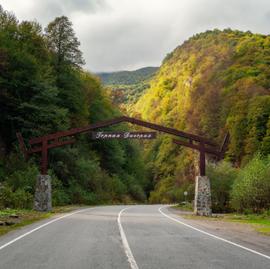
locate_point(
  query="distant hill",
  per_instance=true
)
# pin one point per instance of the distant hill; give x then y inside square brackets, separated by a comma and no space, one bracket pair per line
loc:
[126,87]
[128,77]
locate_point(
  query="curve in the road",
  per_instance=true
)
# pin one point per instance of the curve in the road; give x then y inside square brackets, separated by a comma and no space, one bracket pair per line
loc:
[121,237]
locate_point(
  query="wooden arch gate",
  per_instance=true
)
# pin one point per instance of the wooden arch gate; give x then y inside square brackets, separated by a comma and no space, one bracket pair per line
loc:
[59,139]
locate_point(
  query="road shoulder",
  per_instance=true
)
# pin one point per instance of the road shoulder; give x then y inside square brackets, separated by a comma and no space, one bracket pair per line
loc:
[241,233]
[14,219]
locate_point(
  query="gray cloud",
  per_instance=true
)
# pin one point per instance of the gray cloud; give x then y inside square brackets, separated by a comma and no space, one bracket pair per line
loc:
[128,34]
[46,10]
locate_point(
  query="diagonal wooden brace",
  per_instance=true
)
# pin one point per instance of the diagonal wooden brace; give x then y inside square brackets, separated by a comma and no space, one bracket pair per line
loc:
[203,150]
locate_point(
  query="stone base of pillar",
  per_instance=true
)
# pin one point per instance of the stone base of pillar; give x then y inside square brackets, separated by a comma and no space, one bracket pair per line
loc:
[202,202]
[43,193]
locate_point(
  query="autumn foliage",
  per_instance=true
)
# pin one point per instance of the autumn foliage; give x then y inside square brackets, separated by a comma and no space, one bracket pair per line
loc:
[215,82]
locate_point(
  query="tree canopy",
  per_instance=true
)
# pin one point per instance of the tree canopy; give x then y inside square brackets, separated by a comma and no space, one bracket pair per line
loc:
[63,42]
[43,89]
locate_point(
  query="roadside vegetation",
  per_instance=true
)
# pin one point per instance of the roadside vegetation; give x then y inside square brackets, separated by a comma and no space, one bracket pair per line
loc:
[259,222]
[12,219]
[241,195]
[244,190]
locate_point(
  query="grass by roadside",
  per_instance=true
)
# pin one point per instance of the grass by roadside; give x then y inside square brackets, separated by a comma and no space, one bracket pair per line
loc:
[12,219]
[184,206]
[260,222]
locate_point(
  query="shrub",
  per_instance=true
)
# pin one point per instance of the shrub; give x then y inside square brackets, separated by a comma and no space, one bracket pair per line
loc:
[134,189]
[19,180]
[165,191]
[161,193]
[137,192]
[251,190]
[60,197]
[222,177]
[15,199]
[59,193]
[79,195]
[178,193]
[23,179]
[116,188]
[5,196]
[22,199]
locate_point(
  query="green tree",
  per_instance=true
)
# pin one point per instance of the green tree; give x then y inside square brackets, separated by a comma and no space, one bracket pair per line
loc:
[28,96]
[251,189]
[222,178]
[63,42]
[67,60]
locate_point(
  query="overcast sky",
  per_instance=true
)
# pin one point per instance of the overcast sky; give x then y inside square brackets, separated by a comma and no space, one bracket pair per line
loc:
[129,34]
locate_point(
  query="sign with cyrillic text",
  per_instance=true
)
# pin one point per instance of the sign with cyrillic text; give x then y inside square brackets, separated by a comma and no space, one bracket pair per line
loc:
[123,135]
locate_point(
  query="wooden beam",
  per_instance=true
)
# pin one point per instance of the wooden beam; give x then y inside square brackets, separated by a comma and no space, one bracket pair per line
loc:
[196,147]
[168,130]
[74,131]
[53,145]
[118,120]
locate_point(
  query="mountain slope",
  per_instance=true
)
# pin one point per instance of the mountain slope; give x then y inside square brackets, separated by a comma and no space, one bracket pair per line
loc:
[126,87]
[216,81]
[127,77]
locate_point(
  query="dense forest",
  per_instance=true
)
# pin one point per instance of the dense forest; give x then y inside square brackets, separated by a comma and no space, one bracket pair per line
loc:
[126,87]
[43,89]
[215,82]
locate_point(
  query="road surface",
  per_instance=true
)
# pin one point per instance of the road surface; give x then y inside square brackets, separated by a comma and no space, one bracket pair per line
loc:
[122,237]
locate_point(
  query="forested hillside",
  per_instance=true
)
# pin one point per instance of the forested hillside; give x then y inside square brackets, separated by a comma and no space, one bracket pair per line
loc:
[128,77]
[43,89]
[215,82]
[126,87]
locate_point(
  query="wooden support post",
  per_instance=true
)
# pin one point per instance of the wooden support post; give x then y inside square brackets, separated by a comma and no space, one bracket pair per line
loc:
[202,159]
[44,157]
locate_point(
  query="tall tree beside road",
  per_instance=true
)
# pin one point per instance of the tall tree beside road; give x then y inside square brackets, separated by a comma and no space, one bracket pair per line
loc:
[67,61]
[63,42]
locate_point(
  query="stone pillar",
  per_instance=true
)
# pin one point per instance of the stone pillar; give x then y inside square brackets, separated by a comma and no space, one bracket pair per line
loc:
[202,202]
[43,193]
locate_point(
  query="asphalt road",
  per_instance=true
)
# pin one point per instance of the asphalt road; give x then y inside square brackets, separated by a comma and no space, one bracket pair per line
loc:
[144,237]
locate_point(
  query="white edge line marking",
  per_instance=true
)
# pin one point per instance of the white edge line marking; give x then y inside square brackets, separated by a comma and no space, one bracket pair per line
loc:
[212,235]
[41,226]
[127,249]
